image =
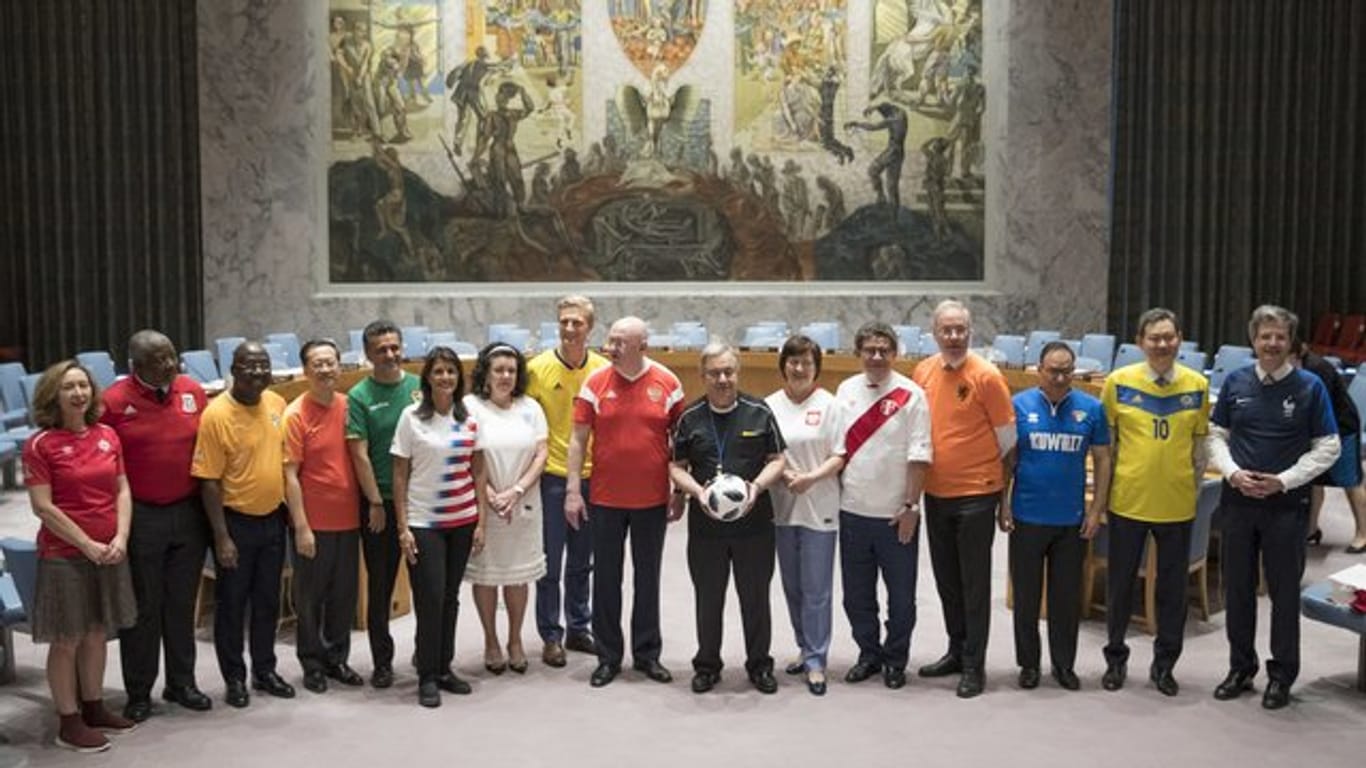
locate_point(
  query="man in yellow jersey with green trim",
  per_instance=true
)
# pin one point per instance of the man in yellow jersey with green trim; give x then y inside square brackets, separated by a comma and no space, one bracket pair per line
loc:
[554,377]
[1159,415]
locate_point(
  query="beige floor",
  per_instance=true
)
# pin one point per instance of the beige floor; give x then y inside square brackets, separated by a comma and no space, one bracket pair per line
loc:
[552,717]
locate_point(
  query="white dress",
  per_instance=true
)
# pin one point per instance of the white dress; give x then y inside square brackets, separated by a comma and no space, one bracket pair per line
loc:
[507,438]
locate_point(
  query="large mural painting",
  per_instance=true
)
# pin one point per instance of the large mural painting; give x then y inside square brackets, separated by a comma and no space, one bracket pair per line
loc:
[460,153]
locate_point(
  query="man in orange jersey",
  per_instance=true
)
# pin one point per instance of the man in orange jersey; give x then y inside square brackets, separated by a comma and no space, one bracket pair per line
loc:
[973,423]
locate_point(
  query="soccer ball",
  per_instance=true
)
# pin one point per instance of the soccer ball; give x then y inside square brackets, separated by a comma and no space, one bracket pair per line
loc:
[726,497]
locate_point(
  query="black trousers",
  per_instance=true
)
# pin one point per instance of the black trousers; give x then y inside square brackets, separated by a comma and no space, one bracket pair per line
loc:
[961,530]
[442,554]
[710,562]
[1059,550]
[1277,536]
[1173,557]
[166,546]
[646,528]
[252,587]
[381,567]
[325,587]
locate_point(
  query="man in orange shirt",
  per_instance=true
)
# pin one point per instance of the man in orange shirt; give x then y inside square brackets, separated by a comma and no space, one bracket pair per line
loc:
[321,488]
[973,423]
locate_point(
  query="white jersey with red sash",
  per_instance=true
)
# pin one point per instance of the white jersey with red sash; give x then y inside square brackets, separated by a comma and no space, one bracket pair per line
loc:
[882,427]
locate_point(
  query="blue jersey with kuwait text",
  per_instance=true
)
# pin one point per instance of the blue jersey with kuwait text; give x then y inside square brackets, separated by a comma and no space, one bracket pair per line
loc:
[1050,455]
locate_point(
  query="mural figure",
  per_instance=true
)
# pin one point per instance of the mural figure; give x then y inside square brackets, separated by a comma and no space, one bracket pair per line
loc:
[887,164]
[389,101]
[830,86]
[647,114]
[786,51]
[557,107]
[966,128]
[356,62]
[656,33]
[498,136]
[466,84]
[938,167]
[391,210]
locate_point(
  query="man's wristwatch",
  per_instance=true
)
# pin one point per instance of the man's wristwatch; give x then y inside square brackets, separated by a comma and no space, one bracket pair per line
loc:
[914,506]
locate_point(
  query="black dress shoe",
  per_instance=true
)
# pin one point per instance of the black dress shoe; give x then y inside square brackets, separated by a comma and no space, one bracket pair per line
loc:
[795,667]
[1354,550]
[428,695]
[315,681]
[1113,679]
[344,674]
[763,681]
[1066,678]
[1162,678]
[237,694]
[272,683]
[382,677]
[704,681]
[604,674]
[138,709]
[971,684]
[815,682]
[453,683]
[654,670]
[581,642]
[1029,678]
[1277,695]
[1315,538]
[948,664]
[894,677]
[1234,685]
[189,697]
[862,671]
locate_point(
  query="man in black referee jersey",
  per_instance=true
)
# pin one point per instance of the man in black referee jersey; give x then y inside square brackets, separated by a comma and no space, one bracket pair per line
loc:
[731,433]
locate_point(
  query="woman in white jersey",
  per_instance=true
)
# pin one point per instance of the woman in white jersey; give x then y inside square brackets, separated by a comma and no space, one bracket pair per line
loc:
[439,510]
[806,506]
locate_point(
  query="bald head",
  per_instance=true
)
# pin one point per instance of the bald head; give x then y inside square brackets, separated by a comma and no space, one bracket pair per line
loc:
[250,372]
[153,358]
[626,343]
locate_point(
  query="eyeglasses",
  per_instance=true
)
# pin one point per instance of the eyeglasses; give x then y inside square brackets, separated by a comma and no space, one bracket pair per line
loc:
[883,352]
[721,373]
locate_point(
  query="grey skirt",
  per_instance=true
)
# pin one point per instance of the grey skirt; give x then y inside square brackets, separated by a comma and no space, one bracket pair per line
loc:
[75,597]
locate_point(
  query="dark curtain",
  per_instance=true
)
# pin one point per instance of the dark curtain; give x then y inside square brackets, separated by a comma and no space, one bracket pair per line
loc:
[99,169]
[1239,161]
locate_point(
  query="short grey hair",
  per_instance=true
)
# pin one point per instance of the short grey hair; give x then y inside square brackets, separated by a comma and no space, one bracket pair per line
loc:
[1270,313]
[945,306]
[716,348]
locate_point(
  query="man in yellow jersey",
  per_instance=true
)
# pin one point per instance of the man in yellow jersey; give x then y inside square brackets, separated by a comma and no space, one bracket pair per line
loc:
[239,458]
[1159,416]
[554,377]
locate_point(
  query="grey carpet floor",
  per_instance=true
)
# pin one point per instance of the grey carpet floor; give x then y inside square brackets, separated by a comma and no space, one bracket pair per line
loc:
[551,717]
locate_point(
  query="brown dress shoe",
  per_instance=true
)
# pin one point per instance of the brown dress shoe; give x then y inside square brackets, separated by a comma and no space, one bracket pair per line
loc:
[553,655]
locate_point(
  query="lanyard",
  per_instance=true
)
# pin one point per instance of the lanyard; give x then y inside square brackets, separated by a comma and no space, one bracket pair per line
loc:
[719,438]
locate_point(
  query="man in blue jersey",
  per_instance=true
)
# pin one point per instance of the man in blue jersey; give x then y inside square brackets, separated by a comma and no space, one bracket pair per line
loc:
[1272,433]
[1045,512]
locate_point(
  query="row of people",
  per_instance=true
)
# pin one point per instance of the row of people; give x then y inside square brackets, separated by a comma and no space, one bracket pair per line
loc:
[498,482]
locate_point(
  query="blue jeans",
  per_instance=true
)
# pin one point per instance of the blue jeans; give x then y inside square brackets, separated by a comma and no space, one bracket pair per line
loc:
[806,560]
[558,537]
[869,545]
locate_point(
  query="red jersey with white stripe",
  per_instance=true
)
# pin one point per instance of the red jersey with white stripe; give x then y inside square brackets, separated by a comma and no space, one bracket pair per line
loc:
[631,420]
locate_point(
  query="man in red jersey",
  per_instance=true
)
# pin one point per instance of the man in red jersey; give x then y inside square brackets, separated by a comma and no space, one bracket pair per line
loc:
[156,415]
[630,408]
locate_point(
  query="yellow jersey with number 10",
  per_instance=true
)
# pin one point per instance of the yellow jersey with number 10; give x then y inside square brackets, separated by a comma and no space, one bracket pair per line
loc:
[1154,430]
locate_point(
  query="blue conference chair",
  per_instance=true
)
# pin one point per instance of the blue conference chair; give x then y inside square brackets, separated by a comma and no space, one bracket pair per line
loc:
[101,366]
[225,347]
[1193,359]
[199,365]
[289,343]
[13,412]
[1099,346]
[1128,354]
[1035,342]
[1011,349]
[278,362]
[414,341]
